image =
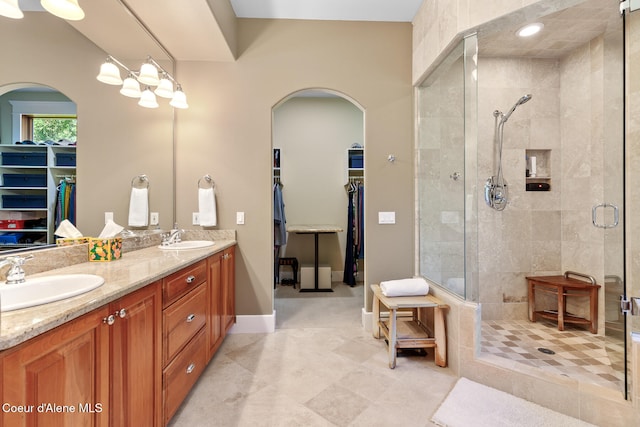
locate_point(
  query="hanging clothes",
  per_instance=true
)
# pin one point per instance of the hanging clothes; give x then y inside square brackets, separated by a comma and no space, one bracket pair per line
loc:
[355,233]
[279,228]
[65,202]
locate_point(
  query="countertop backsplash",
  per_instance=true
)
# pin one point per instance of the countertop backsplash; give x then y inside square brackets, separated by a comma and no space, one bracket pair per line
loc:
[45,259]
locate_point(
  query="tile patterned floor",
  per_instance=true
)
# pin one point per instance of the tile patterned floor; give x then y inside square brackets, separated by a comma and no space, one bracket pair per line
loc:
[319,368]
[578,354]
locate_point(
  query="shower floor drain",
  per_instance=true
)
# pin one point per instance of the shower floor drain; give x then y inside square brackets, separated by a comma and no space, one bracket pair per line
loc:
[546,350]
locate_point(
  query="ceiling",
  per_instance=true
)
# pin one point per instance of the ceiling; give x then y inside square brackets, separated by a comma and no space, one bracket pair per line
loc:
[195,33]
[334,10]
[563,32]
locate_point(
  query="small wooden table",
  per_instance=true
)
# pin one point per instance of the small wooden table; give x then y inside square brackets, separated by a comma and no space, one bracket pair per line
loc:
[563,287]
[412,333]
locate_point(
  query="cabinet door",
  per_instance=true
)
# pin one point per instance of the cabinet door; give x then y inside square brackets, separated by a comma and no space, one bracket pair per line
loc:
[60,377]
[136,377]
[229,288]
[214,298]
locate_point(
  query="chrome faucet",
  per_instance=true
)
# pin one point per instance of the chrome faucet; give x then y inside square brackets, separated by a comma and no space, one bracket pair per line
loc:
[15,274]
[172,237]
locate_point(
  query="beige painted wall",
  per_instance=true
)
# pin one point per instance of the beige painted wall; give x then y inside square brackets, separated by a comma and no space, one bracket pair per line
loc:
[117,139]
[313,134]
[227,132]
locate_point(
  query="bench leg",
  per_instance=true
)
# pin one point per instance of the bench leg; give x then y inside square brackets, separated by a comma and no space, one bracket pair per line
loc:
[440,335]
[392,338]
[375,326]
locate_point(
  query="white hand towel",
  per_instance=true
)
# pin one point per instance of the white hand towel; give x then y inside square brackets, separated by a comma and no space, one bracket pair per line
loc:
[207,207]
[405,287]
[139,207]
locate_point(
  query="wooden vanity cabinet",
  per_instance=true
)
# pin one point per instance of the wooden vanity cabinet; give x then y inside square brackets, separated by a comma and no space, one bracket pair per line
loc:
[229,288]
[69,367]
[136,360]
[184,334]
[221,297]
[129,363]
[103,366]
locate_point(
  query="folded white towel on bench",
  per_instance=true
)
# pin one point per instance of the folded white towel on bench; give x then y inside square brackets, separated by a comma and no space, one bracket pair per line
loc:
[405,287]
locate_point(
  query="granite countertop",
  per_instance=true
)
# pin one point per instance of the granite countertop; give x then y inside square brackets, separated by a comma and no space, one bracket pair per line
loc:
[133,271]
[314,228]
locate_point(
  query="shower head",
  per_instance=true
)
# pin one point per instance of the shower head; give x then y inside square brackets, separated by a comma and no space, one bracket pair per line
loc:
[520,101]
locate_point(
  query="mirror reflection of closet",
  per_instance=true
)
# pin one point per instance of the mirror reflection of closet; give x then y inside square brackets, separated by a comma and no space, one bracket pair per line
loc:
[38,147]
[314,131]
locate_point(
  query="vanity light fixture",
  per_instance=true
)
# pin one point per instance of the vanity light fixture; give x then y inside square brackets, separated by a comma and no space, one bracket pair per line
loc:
[530,29]
[150,74]
[10,9]
[65,9]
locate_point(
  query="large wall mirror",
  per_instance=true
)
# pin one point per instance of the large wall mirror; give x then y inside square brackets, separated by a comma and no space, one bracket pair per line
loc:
[117,140]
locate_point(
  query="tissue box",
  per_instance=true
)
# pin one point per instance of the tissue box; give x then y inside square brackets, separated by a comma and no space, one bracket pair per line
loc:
[69,241]
[105,249]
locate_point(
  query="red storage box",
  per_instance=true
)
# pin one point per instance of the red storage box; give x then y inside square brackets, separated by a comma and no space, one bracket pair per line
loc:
[11,224]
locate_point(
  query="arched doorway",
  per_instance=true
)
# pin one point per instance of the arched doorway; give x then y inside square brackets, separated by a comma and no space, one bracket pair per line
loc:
[318,181]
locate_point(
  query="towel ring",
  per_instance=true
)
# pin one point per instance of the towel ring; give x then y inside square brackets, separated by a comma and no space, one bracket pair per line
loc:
[207,181]
[140,181]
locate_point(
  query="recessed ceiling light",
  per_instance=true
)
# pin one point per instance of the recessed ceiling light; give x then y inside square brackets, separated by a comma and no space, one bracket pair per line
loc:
[530,29]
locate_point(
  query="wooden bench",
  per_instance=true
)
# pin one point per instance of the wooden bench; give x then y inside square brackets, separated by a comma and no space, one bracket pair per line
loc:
[563,287]
[410,331]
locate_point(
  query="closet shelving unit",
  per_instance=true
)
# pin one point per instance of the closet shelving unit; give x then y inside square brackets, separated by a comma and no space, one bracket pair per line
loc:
[30,175]
[354,164]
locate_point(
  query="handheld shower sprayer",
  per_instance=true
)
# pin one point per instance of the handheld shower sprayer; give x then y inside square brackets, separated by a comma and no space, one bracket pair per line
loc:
[496,194]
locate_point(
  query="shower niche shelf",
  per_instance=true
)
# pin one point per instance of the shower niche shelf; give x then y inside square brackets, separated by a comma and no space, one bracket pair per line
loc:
[538,170]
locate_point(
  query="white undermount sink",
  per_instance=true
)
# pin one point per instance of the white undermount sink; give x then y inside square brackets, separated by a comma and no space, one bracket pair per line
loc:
[188,244]
[42,290]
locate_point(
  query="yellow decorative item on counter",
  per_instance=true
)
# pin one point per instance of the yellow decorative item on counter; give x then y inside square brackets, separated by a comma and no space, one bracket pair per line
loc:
[69,241]
[105,249]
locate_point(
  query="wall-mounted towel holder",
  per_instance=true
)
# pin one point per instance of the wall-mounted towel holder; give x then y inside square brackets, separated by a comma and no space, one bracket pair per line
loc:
[206,182]
[140,181]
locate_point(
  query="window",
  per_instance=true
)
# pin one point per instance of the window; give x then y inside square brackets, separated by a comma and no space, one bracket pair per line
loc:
[39,128]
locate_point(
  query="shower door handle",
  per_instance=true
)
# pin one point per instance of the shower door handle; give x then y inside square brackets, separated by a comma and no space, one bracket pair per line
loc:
[594,215]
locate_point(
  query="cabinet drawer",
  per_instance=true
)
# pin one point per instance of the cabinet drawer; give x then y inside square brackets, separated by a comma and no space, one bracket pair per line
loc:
[182,281]
[183,320]
[182,373]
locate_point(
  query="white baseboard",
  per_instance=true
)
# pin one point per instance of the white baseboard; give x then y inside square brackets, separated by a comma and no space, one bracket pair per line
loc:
[254,324]
[367,318]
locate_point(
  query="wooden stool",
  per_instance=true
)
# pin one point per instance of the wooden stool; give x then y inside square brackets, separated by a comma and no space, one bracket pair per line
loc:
[293,262]
[563,287]
[401,333]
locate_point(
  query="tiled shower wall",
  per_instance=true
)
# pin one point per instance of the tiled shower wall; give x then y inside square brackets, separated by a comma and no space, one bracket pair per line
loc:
[550,232]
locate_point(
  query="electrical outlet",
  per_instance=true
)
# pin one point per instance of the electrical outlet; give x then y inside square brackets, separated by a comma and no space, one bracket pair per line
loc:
[196,218]
[239,218]
[108,216]
[155,218]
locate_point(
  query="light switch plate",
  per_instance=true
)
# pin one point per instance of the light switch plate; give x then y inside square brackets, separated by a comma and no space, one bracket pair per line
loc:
[386,217]
[240,218]
[196,218]
[155,218]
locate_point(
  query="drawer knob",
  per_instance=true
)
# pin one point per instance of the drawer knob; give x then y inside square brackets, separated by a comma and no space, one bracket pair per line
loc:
[191,367]
[109,320]
[190,318]
[191,278]
[122,313]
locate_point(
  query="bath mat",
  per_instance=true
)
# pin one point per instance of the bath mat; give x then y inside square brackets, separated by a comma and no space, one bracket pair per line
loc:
[473,404]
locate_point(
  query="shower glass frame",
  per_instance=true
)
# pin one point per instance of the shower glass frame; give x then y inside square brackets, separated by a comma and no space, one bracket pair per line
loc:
[446,179]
